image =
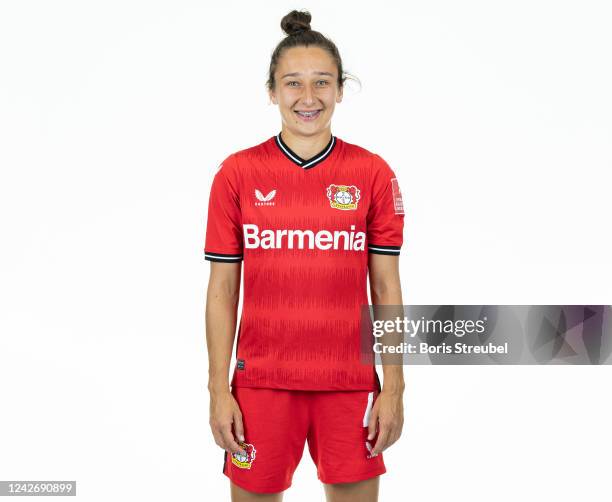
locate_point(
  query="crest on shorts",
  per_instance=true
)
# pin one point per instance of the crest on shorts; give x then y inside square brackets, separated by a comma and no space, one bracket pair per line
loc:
[344,197]
[244,461]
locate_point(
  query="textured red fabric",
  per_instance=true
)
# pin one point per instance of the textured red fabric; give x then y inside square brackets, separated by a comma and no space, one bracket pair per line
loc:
[304,234]
[278,423]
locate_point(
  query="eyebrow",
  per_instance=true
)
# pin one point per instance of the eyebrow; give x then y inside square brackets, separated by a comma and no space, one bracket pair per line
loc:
[297,74]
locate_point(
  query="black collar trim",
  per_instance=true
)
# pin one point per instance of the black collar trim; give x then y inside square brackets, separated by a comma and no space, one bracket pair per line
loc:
[305,163]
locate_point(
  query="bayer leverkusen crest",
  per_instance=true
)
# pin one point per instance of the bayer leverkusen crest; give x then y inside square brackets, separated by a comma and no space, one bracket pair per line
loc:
[343,196]
[244,461]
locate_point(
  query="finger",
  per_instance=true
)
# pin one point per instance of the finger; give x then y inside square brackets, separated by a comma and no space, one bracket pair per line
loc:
[383,436]
[372,422]
[397,433]
[393,437]
[230,443]
[238,426]
[218,438]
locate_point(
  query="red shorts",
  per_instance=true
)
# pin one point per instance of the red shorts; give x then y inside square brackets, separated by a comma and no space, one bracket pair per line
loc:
[277,423]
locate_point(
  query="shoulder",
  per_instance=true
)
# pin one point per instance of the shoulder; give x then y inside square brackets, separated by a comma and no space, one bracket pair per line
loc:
[377,163]
[353,151]
[231,165]
[254,152]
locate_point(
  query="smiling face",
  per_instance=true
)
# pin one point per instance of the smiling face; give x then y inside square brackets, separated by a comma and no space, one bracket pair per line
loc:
[306,90]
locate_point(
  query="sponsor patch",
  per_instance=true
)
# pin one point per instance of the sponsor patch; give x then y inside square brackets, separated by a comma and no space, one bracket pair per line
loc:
[398,203]
[264,200]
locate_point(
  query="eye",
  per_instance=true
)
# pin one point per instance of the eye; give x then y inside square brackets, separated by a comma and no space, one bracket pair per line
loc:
[290,83]
[324,82]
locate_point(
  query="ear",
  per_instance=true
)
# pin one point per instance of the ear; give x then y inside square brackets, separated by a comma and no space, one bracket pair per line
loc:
[272,97]
[339,96]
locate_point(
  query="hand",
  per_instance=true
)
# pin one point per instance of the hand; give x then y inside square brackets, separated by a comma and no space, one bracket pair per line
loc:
[224,411]
[388,411]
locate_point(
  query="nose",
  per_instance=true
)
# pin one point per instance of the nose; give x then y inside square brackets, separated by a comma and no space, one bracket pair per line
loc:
[308,96]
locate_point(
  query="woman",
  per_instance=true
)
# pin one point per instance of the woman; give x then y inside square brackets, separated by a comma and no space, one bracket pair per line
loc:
[309,215]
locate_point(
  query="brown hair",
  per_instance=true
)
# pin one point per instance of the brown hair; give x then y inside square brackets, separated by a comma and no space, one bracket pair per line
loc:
[296,25]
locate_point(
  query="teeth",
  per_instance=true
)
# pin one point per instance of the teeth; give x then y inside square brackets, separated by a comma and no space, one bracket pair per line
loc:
[308,114]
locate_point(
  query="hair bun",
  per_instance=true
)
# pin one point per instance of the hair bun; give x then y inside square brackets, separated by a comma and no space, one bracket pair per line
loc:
[296,21]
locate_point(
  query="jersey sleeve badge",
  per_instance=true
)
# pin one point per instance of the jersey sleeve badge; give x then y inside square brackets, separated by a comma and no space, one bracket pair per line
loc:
[398,203]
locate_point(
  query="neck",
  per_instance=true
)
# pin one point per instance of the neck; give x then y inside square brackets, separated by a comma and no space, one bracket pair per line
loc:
[306,146]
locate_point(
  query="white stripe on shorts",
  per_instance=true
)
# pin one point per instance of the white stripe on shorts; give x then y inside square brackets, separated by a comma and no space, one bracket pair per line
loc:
[366,415]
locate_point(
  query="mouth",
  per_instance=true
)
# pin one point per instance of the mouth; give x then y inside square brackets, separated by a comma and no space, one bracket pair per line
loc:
[308,115]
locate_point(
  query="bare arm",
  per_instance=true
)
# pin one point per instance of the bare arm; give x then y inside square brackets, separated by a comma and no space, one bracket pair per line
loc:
[388,410]
[221,316]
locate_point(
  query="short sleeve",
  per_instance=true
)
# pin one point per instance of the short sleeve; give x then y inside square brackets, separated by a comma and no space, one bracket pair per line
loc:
[224,225]
[385,222]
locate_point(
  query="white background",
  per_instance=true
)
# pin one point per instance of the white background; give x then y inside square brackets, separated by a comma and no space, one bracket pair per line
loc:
[114,116]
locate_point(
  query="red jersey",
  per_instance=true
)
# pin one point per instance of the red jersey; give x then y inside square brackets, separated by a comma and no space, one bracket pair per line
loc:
[303,228]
